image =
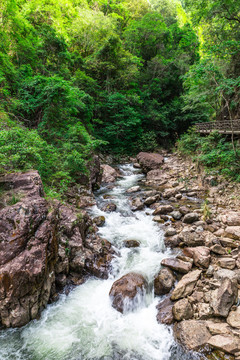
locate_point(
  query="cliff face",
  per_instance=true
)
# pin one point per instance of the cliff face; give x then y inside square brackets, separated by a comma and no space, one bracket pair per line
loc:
[42,248]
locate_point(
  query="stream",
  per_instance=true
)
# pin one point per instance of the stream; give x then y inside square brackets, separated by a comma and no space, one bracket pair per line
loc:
[83,325]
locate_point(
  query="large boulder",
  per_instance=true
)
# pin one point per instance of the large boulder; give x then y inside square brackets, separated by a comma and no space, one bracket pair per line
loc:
[186,285]
[165,314]
[226,343]
[125,290]
[109,174]
[182,310]
[233,232]
[192,334]
[177,265]
[163,282]
[150,161]
[224,297]
[192,238]
[200,255]
[28,250]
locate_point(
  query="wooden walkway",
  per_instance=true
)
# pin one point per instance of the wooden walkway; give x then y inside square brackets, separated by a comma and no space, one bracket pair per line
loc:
[223,127]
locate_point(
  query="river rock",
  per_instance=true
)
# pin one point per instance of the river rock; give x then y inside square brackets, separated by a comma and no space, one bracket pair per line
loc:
[191,218]
[109,207]
[226,343]
[164,209]
[218,249]
[233,318]
[200,255]
[131,243]
[233,232]
[150,161]
[124,291]
[192,334]
[151,200]
[170,232]
[99,220]
[227,263]
[224,297]
[137,204]
[158,219]
[231,218]
[182,310]
[184,210]
[192,238]
[163,282]
[177,265]
[134,189]
[172,241]
[186,285]
[176,215]
[109,174]
[165,314]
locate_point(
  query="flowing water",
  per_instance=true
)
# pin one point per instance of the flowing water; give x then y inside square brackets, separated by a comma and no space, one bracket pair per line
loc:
[83,325]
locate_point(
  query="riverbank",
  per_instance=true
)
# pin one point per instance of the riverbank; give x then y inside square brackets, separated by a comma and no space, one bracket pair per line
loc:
[172,215]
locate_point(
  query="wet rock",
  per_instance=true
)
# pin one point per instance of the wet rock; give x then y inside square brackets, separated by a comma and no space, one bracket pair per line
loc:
[124,291]
[170,232]
[151,200]
[182,310]
[150,161]
[227,343]
[177,265]
[109,207]
[192,238]
[186,285]
[233,318]
[178,196]
[224,297]
[137,166]
[164,209]
[200,255]
[28,251]
[131,243]
[218,249]
[163,282]
[99,220]
[137,204]
[227,263]
[134,189]
[109,174]
[172,241]
[191,218]
[192,334]
[176,215]
[184,210]
[170,194]
[158,219]
[165,315]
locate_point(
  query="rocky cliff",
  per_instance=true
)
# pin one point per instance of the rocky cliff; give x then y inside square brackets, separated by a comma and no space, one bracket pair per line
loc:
[43,247]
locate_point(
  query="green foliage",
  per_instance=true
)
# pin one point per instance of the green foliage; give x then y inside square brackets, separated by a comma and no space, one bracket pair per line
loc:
[213,151]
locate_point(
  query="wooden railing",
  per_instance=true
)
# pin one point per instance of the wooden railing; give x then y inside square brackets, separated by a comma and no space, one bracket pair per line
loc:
[223,127]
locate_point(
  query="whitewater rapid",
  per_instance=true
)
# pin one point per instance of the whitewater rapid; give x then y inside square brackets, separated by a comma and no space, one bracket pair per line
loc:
[83,325]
